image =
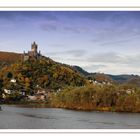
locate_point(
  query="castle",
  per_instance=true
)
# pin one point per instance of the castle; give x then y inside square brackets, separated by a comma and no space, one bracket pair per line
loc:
[33,54]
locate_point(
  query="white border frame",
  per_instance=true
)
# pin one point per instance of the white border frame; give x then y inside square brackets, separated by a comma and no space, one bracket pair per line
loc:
[69,8]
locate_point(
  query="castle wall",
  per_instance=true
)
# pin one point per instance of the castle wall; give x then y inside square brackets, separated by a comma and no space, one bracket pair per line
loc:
[26,57]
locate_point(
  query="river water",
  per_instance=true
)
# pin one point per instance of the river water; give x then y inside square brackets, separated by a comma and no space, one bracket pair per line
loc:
[15,117]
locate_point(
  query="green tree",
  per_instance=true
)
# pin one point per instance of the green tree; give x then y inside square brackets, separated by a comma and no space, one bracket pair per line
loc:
[9,75]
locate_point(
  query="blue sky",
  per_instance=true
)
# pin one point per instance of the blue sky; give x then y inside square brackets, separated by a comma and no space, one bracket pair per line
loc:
[98,41]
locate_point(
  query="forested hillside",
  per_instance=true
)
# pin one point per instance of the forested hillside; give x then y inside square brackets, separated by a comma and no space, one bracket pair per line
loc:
[44,73]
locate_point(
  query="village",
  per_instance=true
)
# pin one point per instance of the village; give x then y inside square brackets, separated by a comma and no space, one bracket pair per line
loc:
[41,94]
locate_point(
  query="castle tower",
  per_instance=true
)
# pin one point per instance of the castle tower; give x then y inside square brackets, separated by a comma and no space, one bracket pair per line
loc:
[33,54]
[34,47]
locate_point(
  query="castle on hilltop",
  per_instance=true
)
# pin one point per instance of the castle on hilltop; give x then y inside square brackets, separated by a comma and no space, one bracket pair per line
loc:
[33,54]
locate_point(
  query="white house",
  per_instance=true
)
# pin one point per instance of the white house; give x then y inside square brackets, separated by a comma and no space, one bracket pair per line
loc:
[13,80]
[7,91]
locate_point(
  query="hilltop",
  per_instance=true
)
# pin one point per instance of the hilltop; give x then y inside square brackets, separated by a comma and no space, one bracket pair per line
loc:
[7,58]
[10,57]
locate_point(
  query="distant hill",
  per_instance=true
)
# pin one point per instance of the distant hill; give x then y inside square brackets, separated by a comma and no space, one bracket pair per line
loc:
[135,80]
[80,70]
[130,79]
[94,76]
[122,78]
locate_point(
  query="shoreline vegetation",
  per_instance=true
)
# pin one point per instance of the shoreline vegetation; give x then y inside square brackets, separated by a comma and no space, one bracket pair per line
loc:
[99,98]
[110,98]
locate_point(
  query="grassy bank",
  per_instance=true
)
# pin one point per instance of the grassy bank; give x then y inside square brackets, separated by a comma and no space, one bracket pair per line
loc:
[124,98]
[116,98]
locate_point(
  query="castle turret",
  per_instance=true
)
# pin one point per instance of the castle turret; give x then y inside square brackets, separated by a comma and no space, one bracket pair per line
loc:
[34,47]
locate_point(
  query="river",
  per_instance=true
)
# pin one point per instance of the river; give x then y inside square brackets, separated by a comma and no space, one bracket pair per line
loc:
[15,117]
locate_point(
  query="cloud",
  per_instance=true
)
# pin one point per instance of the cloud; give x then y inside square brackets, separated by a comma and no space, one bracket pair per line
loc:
[119,69]
[48,27]
[112,57]
[111,63]
[121,41]
[114,63]
[93,67]
[98,15]
[102,24]
[98,60]
[64,24]
[20,19]
[26,15]
[71,29]
[77,29]
[56,45]
[105,57]
[62,27]
[73,53]
[6,25]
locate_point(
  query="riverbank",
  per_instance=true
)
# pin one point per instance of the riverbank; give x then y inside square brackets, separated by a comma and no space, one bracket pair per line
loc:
[99,98]
[99,109]
[37,104]
[32,104]
[112,98]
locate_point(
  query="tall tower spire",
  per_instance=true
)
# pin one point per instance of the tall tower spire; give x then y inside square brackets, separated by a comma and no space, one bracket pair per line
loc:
[34,47]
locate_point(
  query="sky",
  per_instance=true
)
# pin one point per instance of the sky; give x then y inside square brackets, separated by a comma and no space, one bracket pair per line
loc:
[98,41]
